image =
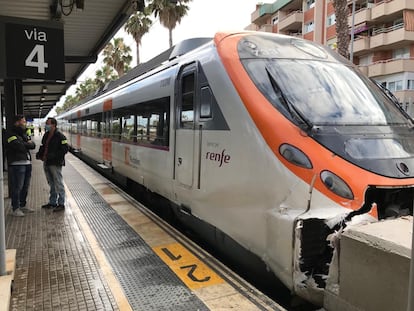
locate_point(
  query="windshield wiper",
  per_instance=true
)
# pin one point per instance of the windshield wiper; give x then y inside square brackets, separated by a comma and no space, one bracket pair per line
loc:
[293,111]
[394,100]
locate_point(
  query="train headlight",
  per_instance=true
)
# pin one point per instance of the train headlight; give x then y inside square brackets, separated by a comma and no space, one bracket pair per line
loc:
[336,185]
[295,156]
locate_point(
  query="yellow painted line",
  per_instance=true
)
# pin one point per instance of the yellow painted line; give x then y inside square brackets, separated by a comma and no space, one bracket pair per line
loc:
[191,270]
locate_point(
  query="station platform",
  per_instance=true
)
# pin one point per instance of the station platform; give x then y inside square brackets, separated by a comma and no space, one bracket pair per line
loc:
[106,251]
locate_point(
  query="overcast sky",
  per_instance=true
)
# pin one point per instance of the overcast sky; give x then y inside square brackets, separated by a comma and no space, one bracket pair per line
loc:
[204,19]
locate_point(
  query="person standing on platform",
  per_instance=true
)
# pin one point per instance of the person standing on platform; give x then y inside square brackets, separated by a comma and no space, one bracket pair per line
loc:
[19,159]
[52,153]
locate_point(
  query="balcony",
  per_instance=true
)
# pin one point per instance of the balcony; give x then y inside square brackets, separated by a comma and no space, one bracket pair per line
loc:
[361,44]
[364,69]
[262,13]
[388,7]
[266,28]
[390,66]
[361,16]
[251,27]
[386,37]
[292,21]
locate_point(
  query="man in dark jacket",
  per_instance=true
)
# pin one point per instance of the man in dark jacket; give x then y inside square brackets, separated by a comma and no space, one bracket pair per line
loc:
[19,159]
[52,153]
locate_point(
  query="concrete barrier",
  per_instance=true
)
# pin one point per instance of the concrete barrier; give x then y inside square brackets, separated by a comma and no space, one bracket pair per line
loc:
[374,267]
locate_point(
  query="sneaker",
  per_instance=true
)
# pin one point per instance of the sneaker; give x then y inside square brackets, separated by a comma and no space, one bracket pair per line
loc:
[48,205]
[18,213]
[27,209]
[59,208]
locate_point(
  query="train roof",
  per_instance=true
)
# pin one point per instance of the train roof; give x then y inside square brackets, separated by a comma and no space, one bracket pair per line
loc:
[177,50]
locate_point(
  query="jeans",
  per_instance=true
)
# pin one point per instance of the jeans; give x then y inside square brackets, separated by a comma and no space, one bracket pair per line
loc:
[55,180]
[20,176]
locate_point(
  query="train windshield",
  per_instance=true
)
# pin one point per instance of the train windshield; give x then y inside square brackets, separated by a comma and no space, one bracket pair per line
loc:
[308,82]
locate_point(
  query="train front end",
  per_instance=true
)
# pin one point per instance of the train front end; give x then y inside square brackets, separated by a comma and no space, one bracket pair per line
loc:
[332,128]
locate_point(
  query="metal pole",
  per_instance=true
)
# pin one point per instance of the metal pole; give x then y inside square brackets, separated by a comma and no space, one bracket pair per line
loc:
[351,54]
[410,305]
[2,216]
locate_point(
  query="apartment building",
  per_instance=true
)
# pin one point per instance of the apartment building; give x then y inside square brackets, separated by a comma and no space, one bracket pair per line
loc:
[383,45]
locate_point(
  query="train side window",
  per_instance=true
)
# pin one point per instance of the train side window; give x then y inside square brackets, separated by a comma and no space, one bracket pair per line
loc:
[187,104]
[206,100]
[116,128]
[73,127]
[152,122]
[105,125]
[102,131]
[128,128]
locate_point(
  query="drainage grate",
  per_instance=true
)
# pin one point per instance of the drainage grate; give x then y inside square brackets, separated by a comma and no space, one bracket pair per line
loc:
[147,281]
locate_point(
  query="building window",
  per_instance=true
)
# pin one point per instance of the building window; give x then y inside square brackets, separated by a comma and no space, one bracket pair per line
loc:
[331,19]
[275,20]
[410,85]
[395,86]
[309,27]
[365,60]
[401,53]
[310,4]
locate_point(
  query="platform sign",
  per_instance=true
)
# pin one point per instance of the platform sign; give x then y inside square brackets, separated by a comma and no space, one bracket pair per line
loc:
[31,49]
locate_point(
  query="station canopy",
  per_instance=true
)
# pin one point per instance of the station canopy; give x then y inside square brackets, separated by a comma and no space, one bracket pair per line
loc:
[88,26]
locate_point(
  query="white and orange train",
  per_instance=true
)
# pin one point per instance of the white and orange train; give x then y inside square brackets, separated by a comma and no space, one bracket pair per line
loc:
[264,141]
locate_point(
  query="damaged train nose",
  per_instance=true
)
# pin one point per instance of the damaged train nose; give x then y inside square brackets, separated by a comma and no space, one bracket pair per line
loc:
[389,202]
[314,246]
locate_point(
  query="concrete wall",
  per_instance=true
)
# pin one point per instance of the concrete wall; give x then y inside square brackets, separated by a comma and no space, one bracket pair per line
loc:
[374,266]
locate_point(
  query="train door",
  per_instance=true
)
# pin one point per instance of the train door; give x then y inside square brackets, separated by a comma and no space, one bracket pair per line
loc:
[186,140]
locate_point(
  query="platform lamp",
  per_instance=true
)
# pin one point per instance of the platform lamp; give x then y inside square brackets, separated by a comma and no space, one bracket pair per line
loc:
[44,89]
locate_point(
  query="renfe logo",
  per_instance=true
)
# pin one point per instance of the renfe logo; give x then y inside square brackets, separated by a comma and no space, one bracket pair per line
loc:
[218,157]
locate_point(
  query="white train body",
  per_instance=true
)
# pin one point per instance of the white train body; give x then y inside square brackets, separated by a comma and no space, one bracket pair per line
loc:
[220,163]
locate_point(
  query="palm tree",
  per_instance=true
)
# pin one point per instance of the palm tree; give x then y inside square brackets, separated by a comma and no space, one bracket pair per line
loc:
[117,55]
[137,26]
[86,88]
[342,28]
[104,75]
[169,12]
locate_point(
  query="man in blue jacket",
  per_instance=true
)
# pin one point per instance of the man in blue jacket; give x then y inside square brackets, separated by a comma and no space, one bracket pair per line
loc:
[19,160]
[52,153]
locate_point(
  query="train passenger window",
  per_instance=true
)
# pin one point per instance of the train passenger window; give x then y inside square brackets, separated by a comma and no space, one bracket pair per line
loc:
[115,128]
[187,104]
[128,128]
[73,127]
[154,120]
[93,128]
[88,127]
[93,125]
[83,128]
[206,100]
[103,130]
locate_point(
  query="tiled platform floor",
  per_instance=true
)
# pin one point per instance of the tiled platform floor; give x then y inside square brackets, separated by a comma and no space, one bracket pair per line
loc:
[55,266]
